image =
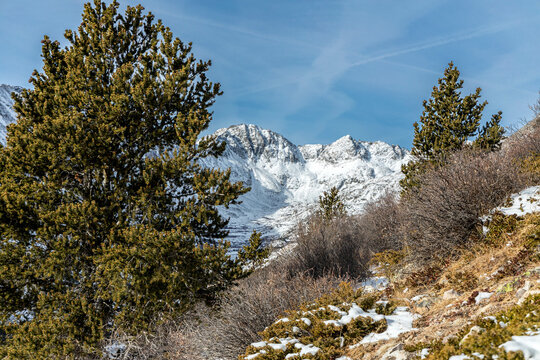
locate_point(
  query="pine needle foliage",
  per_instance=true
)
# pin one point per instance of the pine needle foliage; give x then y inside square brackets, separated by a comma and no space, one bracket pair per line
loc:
[331,205]
[447,123]
[107,220]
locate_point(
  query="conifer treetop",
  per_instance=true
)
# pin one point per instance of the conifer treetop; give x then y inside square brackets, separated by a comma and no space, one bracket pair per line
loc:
[448,119]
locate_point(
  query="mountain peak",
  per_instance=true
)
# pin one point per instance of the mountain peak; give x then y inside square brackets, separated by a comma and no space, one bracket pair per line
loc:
[286,180]
[250,141]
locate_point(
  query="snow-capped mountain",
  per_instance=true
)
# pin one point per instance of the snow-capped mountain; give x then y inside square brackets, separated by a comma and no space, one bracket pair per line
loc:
[286,180]
[7,115]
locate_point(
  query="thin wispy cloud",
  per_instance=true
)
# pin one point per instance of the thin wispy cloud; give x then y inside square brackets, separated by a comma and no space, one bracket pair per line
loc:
[389,53]
[243,31]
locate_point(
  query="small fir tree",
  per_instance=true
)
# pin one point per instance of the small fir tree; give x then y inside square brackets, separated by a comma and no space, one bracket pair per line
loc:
[491,135]
[447,123]
[107,220]
[331,205]
[254,254]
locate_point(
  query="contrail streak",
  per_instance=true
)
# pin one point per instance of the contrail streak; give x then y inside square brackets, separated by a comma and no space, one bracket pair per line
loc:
[435,43]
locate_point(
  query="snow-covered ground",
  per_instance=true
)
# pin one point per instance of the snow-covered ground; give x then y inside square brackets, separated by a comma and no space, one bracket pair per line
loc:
[528,344]
[399,322]
[526,201]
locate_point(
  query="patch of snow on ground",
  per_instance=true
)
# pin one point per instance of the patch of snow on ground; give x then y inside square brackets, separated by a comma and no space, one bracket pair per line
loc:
[113,351]
[524,202]
[459,357]
[482,296]
[307,349]
[398,323]
[529,345]
[424,353]
[374,283]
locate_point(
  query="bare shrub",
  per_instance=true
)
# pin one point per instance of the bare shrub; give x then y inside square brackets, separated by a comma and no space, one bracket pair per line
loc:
[442,214]
[536,107]
[380,224]
[253,305]
[146,345]
[343,245]
[330,246]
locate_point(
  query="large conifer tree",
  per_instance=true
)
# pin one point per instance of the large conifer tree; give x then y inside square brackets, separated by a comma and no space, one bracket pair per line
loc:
[107,222]
[447,123]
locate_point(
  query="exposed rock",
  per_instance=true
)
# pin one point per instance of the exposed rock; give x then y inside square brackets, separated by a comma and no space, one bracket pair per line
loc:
[527,294]
[397,353]
[451,294]
[475,330]
[520,292]
[425,302]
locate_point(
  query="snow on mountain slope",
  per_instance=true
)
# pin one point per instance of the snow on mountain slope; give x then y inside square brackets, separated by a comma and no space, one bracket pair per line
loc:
[286,180]
[7,115]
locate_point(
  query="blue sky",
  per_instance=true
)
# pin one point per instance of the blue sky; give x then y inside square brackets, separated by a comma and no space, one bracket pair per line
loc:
[316,70]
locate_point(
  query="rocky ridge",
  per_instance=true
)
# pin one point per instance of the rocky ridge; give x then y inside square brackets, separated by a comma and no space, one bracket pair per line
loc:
[286,180]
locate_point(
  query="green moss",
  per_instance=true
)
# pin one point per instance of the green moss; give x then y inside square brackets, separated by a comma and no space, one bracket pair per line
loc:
[499,227]
[385,308]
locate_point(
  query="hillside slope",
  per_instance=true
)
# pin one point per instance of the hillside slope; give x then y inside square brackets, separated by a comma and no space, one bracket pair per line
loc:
[483,305]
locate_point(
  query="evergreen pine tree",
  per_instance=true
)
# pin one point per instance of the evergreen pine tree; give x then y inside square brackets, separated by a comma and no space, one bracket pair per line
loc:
[107,221]
[448,121]
[491,135]
[331,205]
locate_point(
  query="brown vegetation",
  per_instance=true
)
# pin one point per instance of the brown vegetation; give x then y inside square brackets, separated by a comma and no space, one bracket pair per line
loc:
[428,241]
[441,216]
[330,246]
[247,310]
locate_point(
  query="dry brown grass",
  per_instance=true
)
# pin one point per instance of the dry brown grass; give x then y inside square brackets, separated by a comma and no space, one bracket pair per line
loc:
[226,329]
